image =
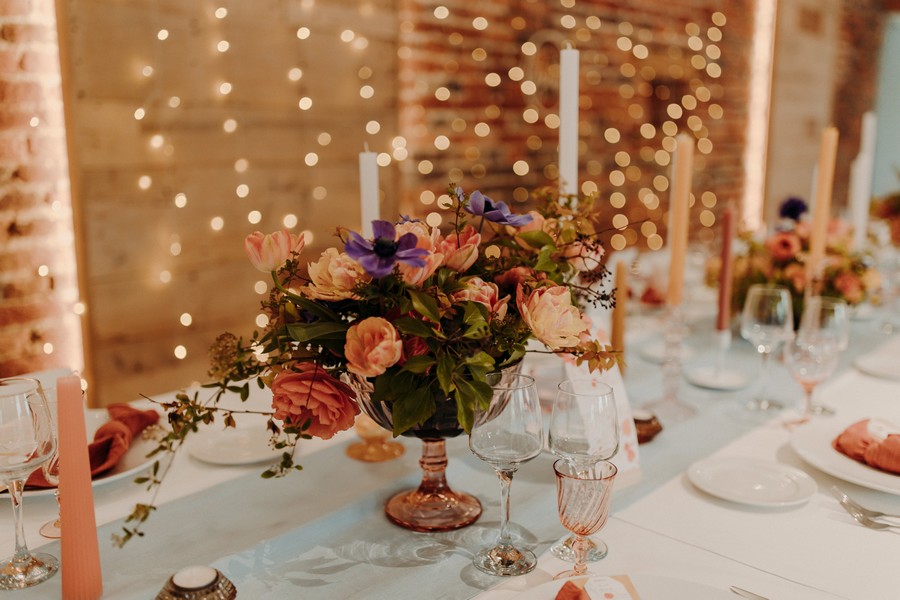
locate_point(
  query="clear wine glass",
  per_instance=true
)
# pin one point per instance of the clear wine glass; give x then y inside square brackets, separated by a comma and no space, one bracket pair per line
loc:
[829,318]
[584,429]
[26,442]
[767,320]
[505,434]
[583,494]
[52,529]
[811,358]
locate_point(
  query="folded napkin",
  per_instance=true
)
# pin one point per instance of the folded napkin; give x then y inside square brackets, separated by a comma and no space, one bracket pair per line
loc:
[111,440]
[873,442]
[570,591]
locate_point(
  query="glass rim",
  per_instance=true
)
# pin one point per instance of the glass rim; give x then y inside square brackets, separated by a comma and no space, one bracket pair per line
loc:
[510,381]
[25,386]
[592,380]
[613,470]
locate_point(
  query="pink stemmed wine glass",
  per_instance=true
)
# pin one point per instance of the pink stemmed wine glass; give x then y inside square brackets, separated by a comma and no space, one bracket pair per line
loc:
[583,493]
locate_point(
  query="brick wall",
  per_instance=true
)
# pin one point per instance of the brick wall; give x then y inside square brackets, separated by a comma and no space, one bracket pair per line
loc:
[639,60]
[38,289]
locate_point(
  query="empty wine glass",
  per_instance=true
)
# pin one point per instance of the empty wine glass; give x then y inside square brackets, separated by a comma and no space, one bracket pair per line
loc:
[583,494]
[584,429]
[829,319]
[810,358]
[52,529]
[506,433]
[26,442]
[767,320]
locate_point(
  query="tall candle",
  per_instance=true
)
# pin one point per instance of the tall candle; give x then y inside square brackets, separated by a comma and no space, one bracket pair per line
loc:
[679,208]
[368,190]
[79,548]
[822,201]
[726,273]
[861,181]
[568,121]
[619,310]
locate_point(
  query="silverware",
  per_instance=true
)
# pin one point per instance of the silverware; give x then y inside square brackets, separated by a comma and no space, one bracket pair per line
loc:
[870,523]
[868,512]
[746,594]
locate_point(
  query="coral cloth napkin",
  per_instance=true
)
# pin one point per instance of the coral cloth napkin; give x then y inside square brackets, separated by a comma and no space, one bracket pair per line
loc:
[871,442]
[111,440]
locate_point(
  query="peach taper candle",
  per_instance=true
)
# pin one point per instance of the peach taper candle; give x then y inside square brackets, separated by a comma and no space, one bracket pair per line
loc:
[79,548]
[679,210]
[821,212]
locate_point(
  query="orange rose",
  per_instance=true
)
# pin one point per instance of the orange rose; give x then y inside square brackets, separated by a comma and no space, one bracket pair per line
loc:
[460,250]
[783,246]
[372,346]
[308,393]
[334,276]
[478,290]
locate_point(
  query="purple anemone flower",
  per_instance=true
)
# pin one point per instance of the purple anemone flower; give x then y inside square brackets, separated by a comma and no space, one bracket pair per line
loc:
[792,208]
[497,212]
[379,255]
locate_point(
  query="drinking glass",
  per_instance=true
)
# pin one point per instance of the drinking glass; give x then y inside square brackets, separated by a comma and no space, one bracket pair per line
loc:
[52,529]
[505,434]
[828,318]
[26,442]
[767,320]
[810,359]
[584,429]
[583,494]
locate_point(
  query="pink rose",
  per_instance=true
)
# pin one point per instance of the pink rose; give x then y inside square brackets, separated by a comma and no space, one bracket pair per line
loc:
[783,246]
[850,286]
[551,316]
[460,250]
[372,346]
[334,276]
[268,252]
[309,393]
[478,290]
[537,224]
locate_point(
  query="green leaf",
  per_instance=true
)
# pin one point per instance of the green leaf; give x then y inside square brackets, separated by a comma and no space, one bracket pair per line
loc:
[545,261]
[445,372]
[307,332]
[412,409]
[317,309]
[419,364]
[425,305]
[536,239]
[416,327]
[481,359]
[468,395]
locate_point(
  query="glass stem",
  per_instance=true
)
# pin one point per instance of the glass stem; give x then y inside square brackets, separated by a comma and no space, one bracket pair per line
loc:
[581,547]
[807,399]
[764,376]
[505,476]
[15,487]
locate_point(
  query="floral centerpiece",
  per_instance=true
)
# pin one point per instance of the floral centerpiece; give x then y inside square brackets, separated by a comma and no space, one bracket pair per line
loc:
[780,259]
[412,316]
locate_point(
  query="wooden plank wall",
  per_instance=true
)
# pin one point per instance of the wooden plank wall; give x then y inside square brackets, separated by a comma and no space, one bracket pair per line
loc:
[147,260]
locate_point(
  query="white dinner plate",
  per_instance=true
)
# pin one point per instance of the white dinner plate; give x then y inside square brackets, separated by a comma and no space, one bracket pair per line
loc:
[714,379]
[132,462]
[649,587]
[655,352]
[752,481]
[813,443]
[234,446]
[881,364]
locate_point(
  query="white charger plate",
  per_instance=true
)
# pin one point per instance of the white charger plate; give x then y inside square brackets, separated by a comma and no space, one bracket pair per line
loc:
[650,587]
[711,378]
[884,365]
[132,462]
[812,442]
[234,446]
[752,481]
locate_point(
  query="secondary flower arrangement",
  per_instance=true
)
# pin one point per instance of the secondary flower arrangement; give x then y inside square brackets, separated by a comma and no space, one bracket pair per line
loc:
[780,259]
[418,314]
[888,209]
